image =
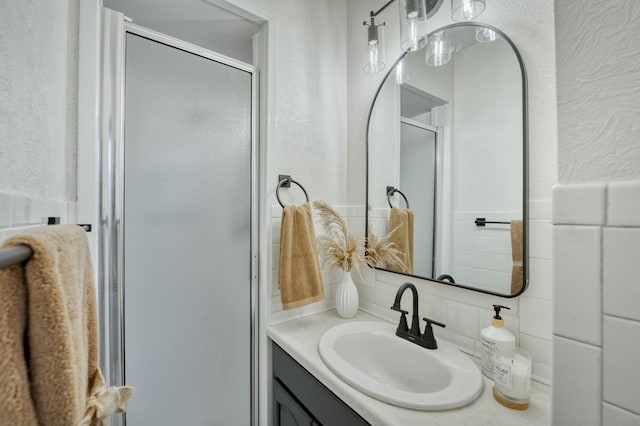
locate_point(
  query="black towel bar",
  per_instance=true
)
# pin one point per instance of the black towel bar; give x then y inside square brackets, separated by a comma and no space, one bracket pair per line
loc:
[481,221]
[20,253]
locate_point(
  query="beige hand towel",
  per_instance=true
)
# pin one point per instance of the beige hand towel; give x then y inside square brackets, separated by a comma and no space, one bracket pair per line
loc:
[299,276]
[49,371]
[516,256]
[401,228]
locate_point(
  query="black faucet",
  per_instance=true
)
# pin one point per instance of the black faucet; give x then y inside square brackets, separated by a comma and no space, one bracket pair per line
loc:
[427,339]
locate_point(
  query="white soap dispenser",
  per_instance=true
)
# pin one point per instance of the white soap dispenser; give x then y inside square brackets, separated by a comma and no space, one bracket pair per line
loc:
[496,339]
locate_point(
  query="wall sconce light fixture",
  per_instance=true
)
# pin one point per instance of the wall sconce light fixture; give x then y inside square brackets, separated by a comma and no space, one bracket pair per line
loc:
[374,55]
[413,30]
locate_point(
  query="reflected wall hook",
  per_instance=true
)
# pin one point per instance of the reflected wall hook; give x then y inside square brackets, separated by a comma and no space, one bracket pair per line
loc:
[392,190]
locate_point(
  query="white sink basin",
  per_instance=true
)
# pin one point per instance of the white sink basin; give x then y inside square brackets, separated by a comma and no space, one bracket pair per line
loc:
[370,357]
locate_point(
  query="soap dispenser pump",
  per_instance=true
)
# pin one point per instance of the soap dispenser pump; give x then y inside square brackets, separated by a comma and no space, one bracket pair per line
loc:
[496,340]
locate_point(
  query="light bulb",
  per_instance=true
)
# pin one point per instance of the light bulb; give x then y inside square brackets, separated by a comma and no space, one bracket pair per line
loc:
[466,10]
[401,72]
[412,9]
[438,50]
[374,55]
[485,35]
[413,24]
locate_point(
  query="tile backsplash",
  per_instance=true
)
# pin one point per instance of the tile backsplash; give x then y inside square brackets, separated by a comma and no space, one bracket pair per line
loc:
[596,240]
[464,312]
[18,212]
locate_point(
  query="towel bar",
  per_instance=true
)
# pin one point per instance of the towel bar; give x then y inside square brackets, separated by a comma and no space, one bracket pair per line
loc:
[481,221]
[285,181]
[392,190]
[21,253]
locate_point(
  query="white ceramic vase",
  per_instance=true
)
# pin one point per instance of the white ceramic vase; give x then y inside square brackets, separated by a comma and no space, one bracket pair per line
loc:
[347,297]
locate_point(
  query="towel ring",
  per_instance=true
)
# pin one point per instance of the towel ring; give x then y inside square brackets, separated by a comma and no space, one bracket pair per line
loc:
[286,181]
[390,191]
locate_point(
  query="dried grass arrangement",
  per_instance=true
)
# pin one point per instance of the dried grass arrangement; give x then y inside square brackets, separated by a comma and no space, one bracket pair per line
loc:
[342,249]
[345,250]
[382,250]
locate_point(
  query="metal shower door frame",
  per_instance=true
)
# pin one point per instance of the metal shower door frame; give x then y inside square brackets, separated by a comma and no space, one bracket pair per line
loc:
[111,205]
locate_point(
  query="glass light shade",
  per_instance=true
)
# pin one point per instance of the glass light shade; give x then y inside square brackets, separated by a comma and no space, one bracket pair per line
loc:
[438,50]
[402,71]
[374,53]
[413,24]
[486,35]
[466,10]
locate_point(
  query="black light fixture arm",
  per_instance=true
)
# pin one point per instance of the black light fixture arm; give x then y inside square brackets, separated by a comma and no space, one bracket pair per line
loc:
[372,15]
[379,11]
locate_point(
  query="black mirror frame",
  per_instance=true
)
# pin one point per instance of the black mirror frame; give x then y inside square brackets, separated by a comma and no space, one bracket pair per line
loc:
[525,168]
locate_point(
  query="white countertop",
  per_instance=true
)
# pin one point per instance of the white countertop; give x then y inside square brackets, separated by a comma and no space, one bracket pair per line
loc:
[300,339]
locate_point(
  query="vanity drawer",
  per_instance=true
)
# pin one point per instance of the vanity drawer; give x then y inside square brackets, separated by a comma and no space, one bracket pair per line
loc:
[320,402]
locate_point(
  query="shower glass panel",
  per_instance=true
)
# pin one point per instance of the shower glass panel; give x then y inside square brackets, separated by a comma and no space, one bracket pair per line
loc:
[187,237]
[418,183]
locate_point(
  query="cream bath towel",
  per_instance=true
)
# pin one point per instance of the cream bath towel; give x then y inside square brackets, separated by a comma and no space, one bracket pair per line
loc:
[49,371]
[299,276]
[516,256]
[401,234]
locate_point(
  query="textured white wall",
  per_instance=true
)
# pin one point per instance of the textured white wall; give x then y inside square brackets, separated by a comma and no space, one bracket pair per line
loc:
[598,64]
[311,115]
[38,97]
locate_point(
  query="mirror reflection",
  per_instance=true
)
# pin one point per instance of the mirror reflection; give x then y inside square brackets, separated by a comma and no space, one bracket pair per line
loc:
[445,152]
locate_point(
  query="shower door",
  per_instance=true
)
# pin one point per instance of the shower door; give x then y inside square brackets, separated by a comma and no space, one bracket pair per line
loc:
[181,319]
[418,153]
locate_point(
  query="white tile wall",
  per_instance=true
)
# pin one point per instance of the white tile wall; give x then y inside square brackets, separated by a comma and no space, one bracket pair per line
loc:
[577,252]
[615,416]
[18,212]
[579,204]
[621,247]
[620,371]
[541,273]
[595,304]
[535,316]
[624,204]
[482,255]
[5,210]
[576,396]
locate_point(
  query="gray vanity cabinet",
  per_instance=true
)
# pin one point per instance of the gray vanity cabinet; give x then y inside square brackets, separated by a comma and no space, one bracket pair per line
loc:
[300,399]
[287,411]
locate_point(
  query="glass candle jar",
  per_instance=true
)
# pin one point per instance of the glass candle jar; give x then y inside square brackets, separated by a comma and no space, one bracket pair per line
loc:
[512,376]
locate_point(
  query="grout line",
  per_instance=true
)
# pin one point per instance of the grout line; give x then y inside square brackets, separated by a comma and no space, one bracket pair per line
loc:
[619,317]
[626,410]
[577,341]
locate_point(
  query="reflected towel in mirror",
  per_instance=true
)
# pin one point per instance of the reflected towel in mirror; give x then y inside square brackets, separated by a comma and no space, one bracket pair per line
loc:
[401,234]
[516,256]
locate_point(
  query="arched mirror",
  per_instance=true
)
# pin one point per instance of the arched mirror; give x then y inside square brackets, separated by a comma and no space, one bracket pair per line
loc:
[446,162]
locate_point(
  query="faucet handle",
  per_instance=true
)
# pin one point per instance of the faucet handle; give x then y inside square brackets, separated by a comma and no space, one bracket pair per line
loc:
[430,321]
[403,326]
[428,338]
[397,308]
